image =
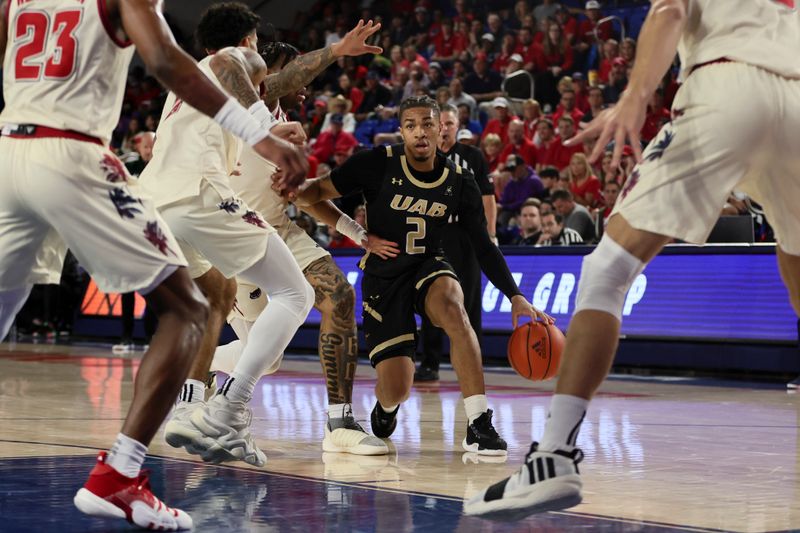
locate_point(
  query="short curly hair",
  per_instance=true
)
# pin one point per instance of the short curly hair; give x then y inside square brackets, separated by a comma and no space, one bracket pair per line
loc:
[274,51]
[225,24]
[418,101]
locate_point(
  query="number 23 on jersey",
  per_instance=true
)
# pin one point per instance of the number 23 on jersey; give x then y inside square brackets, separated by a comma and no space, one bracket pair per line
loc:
[34,35]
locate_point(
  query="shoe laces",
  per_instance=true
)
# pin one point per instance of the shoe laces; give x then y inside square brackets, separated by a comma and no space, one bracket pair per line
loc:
[350,423]
[576,455]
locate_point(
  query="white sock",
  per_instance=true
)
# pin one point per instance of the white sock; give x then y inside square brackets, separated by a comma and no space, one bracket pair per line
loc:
[339,410]
[239,387]
[226,357]
[126,456]
[388,409]
[193,391]
[563,422]
[475,406]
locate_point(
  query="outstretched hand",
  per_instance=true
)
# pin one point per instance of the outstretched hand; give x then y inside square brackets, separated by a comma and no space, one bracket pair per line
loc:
[380,247]
[354,43]
[622,122]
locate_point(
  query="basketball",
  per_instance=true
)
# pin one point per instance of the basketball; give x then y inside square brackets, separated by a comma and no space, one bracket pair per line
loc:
[534,350]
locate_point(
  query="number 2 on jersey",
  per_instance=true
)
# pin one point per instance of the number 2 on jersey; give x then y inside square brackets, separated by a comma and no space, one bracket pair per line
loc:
[31,33]
[412,236]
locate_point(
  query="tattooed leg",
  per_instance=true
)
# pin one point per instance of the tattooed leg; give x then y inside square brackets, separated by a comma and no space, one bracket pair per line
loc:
[338,343]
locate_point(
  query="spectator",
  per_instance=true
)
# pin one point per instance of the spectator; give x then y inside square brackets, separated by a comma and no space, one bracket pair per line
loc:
[410,55]
[553,60]
[581,89]
[596,106]
[483,84]
[485,45]
[547,143]
[336,35]
[502,59]
[381,127]
[499,124]
[419,28]
[549,177]
[657,116]
[518,144]
[610,53]
[466,121]
[418,81]
[459,97]
[524,184]
[567,107]
[338,241]
[526,48]
[495,26]
[436,77]
[584,185]
[492,146]
[360,215]
[399,86]
[332,140]
[586,29]
[143,143]
[545,11]
[466,137]
[134,128]
[530,224]
[517,86]
[350,92]
[375,95]
[617,81]
[442,96]
[610,194]
[627,50]
[568,23]
[340,106]
[561,154]
[556,233]
[445,44]
[531,114]
[576,217]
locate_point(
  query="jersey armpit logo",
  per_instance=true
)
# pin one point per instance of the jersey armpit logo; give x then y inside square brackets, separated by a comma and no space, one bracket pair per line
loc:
[113,169]
[397,181]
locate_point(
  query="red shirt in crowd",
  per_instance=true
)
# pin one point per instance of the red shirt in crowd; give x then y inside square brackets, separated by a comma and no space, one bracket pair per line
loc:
[576,114]
[653,121]
[590,187]
[328,143]
[343,242]
[559,155]
[526,150]
[556,59]
[500,128]
[586,31]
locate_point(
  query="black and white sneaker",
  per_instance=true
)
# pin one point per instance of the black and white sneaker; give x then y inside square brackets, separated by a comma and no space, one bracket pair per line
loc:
[548,481]
[482,438]
[794,385]
[345,435]
[383,423]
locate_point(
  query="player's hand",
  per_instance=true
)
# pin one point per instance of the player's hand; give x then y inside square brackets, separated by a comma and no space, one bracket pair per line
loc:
[522,307]
[620,123]
[290,131]
[380,247]
[354,43]
[290,159]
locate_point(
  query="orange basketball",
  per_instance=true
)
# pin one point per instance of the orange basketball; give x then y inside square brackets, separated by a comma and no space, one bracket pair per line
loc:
[534,350]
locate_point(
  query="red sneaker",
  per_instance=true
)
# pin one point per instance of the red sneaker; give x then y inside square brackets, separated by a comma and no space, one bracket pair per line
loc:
[109,494]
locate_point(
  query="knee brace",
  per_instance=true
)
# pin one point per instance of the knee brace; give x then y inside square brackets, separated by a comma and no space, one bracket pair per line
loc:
[606,275]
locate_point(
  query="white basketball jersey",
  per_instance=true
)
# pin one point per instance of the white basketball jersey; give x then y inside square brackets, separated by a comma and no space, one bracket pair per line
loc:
[63,68]
[253,181]
[190,147]
[762,33]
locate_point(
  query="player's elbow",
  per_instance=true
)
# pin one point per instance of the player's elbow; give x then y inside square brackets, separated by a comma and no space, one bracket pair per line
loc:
[669,10]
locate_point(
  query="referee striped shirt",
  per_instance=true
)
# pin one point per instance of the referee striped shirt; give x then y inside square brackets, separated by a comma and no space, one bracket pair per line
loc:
[567,237]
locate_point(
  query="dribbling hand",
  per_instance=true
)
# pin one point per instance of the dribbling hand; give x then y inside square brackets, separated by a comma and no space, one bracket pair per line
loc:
[520,306]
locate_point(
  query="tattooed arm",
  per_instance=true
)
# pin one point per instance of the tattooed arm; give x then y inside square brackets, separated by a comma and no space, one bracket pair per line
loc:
[305,68]
[240,71]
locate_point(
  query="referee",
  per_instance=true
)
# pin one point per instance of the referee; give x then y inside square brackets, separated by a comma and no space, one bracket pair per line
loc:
[456,244]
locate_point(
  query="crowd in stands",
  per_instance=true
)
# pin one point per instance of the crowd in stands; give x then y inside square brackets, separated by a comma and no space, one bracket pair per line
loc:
[525,77]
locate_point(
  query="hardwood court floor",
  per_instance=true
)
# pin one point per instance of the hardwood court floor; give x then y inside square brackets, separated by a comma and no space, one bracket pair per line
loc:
[661,455]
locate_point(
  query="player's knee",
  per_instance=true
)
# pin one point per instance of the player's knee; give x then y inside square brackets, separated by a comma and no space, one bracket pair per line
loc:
[606,275]
[398,389]
[299,299]
[451,314]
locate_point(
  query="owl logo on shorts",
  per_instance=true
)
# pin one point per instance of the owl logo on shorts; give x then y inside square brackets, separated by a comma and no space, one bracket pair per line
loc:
[633,179]
[156,237]
[251,217]
[125,203]
[113,169]
[658,148]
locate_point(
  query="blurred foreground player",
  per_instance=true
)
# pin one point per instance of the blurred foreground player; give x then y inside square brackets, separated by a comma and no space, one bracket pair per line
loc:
[457,246]
[65,67]
[746,50]
[411,192]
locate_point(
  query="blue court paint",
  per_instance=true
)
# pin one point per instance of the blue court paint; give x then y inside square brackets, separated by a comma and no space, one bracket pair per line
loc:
[36,495]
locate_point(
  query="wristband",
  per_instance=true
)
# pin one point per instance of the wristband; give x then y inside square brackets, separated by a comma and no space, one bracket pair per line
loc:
[263,115]
[351,229]
[235,118]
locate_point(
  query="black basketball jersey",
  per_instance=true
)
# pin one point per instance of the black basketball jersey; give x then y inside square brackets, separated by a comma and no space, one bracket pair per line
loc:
[406,206]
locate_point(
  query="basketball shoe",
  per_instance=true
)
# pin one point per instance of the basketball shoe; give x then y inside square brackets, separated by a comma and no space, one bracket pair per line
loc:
[345,435]
[109,494]
[548,481]
[383,423]
[794,385]
[227,424]
[482,438]
[180,432]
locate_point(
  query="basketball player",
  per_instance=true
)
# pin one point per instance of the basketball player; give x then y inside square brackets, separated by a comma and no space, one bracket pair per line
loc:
[335,297]
[65,67]
[745,50]
[456,243]
[411,193]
